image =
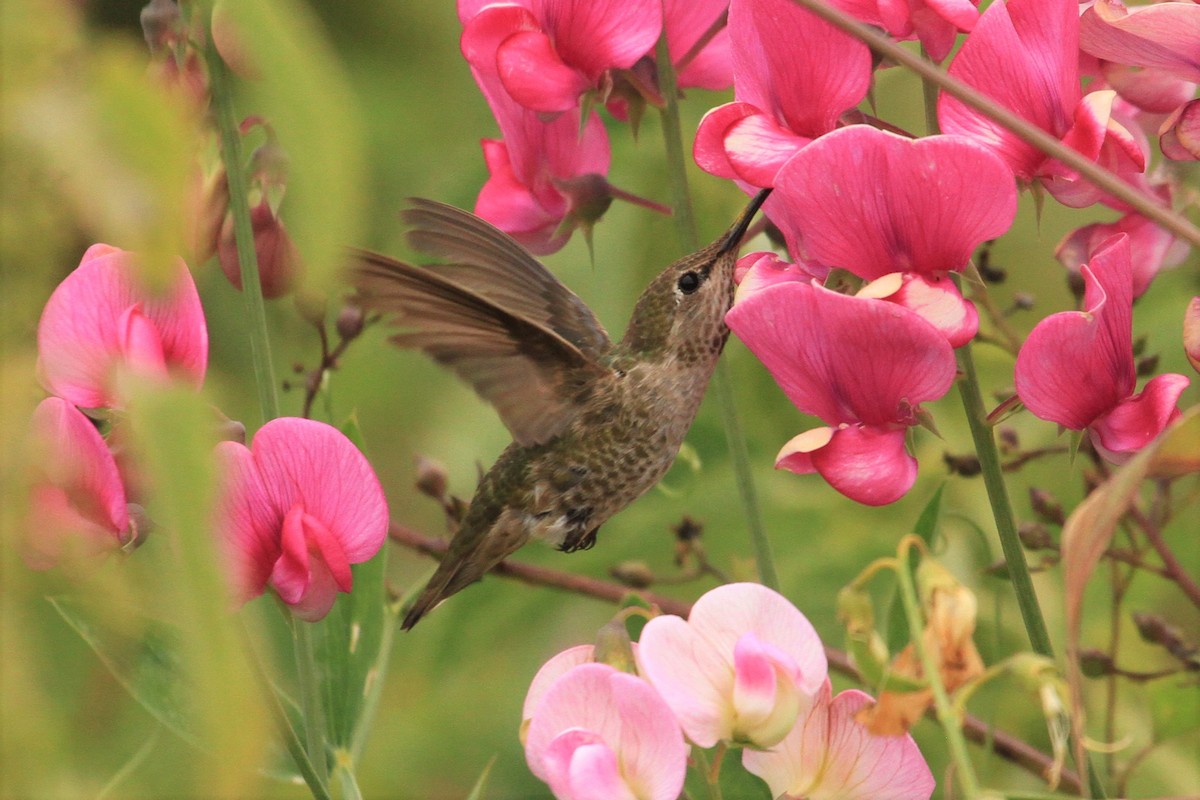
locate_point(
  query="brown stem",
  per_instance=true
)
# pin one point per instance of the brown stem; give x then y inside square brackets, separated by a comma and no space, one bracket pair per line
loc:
[1174,570]
[1003,744]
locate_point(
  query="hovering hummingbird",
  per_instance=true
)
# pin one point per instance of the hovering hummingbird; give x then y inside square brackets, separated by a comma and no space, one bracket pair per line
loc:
[594,424]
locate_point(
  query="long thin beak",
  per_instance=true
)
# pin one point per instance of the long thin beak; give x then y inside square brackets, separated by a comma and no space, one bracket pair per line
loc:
[733,239]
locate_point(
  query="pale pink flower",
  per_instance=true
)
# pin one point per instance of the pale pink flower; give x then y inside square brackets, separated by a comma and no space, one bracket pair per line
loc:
[549,53]
[601,734]
[298,507]
[1077,368]
[1024,54]
[828,755]
[101,318]
[863,366]
[740,669]
[909,212]
[793,76]
[77,502]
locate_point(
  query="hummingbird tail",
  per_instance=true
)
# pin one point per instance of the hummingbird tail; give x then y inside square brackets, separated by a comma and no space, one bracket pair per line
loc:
[447,580]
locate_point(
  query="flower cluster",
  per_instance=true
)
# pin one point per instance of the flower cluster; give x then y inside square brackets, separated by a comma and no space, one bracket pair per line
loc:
[543,66]
[296,510]
[746,669]
[903,215]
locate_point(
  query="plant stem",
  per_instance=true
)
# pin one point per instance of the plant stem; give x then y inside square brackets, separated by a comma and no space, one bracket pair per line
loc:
[685,223]
[239,208]
[949,717]
[993,480]
[310,698]
[703,767]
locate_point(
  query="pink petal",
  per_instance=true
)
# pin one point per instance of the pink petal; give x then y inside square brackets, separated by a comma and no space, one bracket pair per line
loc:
[709,150]
[535,76]
[757,271]
[1166,36]
[556,759]
[78,501]
[595,703]
[247,521]
[795,67]
[85,330]
[1135,422]
[870,465]
[313,464]
[796,455]
[757,147]
[1149,89]
[873,202]
[766,697]
[691,664]
[934,299]
[595,775]
[845,359]
[1151,247]
[512,207]
[551,671]
[1022,54]
[830,755]
[293,570]
[1077,366]
[1180,137]
[685,22]
[312,566]
[1095,134]
[596,35]
[962,14]
[1191,333]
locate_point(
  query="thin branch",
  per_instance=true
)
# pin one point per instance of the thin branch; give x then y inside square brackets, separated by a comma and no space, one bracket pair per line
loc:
[1172,568]
[1003,744]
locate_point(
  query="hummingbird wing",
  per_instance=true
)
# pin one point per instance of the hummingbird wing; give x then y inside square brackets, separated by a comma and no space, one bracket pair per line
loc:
[534,377]
[490,263]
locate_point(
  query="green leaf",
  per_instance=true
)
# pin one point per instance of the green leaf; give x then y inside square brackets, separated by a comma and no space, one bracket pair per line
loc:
[353,643]
[480,786]
[145,661]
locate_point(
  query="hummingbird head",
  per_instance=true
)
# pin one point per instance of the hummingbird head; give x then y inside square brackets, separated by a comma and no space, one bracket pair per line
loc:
[682,312]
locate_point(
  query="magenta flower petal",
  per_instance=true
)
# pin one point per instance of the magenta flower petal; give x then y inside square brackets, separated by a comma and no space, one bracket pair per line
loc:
[77,504]
[867,464]
[1180,135]
[873,202]
[99,317]
[591,709]
[757,271]
[685,21]
[1136,421]
[1095,134]
[757,148]
[596,35]
[844,359]
[694,664]
[1024,55]
[1165,35]
[535,76]
[511,206]
[1191,333]
[830,755]
[1151,247]
[1076,366]
[934,299]
[794,67]
[708,150]
[247,520]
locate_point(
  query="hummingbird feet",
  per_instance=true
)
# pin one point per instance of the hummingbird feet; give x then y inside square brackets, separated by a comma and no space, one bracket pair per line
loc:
[580,535]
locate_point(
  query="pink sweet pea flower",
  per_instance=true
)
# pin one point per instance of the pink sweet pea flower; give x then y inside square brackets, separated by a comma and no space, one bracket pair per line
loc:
[544,176]
[100,317]
[862,366]
[828,755]
[298,507]
[903,210]
[685,23]
[1025,55]
[793,76]
[549,53]
[1076,368]
[601,733]
[77,502]
[1179,136]
[742,667]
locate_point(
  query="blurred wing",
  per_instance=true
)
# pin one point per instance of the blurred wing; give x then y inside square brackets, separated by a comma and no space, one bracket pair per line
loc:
[532,375]
[489,263]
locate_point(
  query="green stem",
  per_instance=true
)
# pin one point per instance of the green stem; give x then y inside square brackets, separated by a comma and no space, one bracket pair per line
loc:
[685,223]
[949,717]
[310,698]
[993,480]
[239,208]
[711,781]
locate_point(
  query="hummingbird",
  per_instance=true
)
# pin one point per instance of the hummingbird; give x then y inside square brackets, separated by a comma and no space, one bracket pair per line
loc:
[594,424]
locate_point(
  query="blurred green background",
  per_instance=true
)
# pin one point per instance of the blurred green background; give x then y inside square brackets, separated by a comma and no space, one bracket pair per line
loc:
[374,104]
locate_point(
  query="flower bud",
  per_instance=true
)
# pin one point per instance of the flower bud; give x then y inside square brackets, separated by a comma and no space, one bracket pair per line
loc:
[1095,663]
[349,322]
[161,24]
[634,574]
[1046,506]
[965,465]
[278,261]
[1035,536]
[613,647]
[431,478]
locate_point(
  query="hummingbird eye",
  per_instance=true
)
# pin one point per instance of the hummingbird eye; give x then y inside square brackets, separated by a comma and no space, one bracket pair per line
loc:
[689,282]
